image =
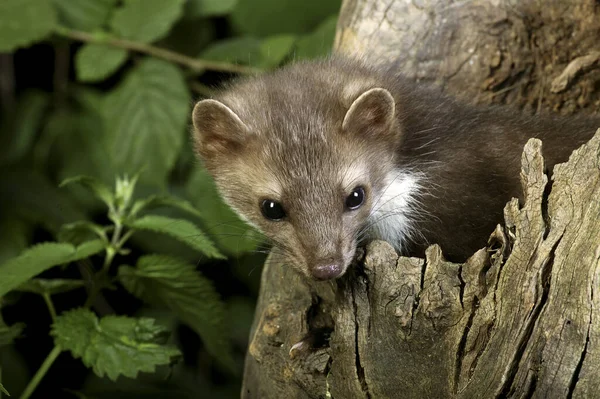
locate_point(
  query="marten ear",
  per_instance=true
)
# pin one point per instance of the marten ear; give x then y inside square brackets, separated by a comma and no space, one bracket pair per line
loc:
[217,129]
[372,112]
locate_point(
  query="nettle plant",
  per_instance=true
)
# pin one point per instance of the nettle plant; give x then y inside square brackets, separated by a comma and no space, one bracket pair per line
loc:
[116,345]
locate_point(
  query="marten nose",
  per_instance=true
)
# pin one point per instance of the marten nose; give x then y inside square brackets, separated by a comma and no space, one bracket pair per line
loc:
[327,271]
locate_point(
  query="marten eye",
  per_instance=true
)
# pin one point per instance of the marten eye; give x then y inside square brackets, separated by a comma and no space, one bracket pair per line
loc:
[272,210]
[355,199]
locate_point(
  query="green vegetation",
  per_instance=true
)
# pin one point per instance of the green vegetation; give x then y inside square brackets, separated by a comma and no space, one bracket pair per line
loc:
[106,217]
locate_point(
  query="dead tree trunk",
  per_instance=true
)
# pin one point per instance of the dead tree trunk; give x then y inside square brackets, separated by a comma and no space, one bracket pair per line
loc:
[520,318]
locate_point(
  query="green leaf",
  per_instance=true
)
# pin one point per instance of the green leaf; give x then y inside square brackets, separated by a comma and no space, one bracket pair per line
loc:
[232,235]
[82,149]
[157,201]
[41,257]
[275,49]
[146,118]
[77,232]
[8,334]
[269,17]
[50,287]
[146,20]
[318,43]
[169,281]
[100,189]
[84,14]
[245,50]
[180,229]
[4,391]
[208,8]
[96,62]
[113,345]
[21,126]
[24,22]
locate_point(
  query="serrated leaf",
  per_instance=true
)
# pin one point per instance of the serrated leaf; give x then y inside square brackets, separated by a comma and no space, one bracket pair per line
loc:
[84,14]
[41,257]
[208,8]
[157,201]
[54,286]
[113,345]
[100,189]
[24,22]
[274,49]
[244,50]
[263,18]
[232,235]
[145,119]
[77,232]
[19,127]
[169,281]
[146,20]
[319,42]
[4,391]
[181,229]
[96,62]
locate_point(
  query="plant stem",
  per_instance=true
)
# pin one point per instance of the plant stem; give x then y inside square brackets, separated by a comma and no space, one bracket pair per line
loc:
[115,244]
[197,65]
[50,305]
[41,372]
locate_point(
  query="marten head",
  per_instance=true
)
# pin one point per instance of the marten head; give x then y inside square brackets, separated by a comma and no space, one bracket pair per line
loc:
[304,154]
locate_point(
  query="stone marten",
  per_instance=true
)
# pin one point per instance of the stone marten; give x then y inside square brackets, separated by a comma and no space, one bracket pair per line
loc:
[323,155]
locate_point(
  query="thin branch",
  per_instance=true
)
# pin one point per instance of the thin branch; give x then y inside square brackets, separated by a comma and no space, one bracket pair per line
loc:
[197,65]
[50,305]
[37,378]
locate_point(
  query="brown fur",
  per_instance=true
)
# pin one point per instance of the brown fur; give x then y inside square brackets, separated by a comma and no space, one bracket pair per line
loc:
[295,140]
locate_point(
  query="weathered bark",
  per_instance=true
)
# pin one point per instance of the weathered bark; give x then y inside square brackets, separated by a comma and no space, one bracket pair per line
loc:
[506,51]
[520,318]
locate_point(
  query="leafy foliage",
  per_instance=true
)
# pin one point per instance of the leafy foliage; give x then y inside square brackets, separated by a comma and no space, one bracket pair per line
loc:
[117,135]
[156,201]
[180,229]
[113,345]
[95,62]
[24,22]
[145,119]
[84,14]
[268,17]
[97,187]
[171,282]
[232,234]
[50,287]
[207,8]
[41,257]
[317,43]
[9,333]
[146,20]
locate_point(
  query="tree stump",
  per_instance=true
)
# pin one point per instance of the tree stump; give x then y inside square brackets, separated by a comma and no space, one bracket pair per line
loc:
[520,318]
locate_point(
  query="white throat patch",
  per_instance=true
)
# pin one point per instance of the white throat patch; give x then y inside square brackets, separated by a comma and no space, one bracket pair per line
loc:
[393,211]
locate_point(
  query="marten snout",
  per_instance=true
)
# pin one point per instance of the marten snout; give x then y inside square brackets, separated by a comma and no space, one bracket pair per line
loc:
[328,270]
